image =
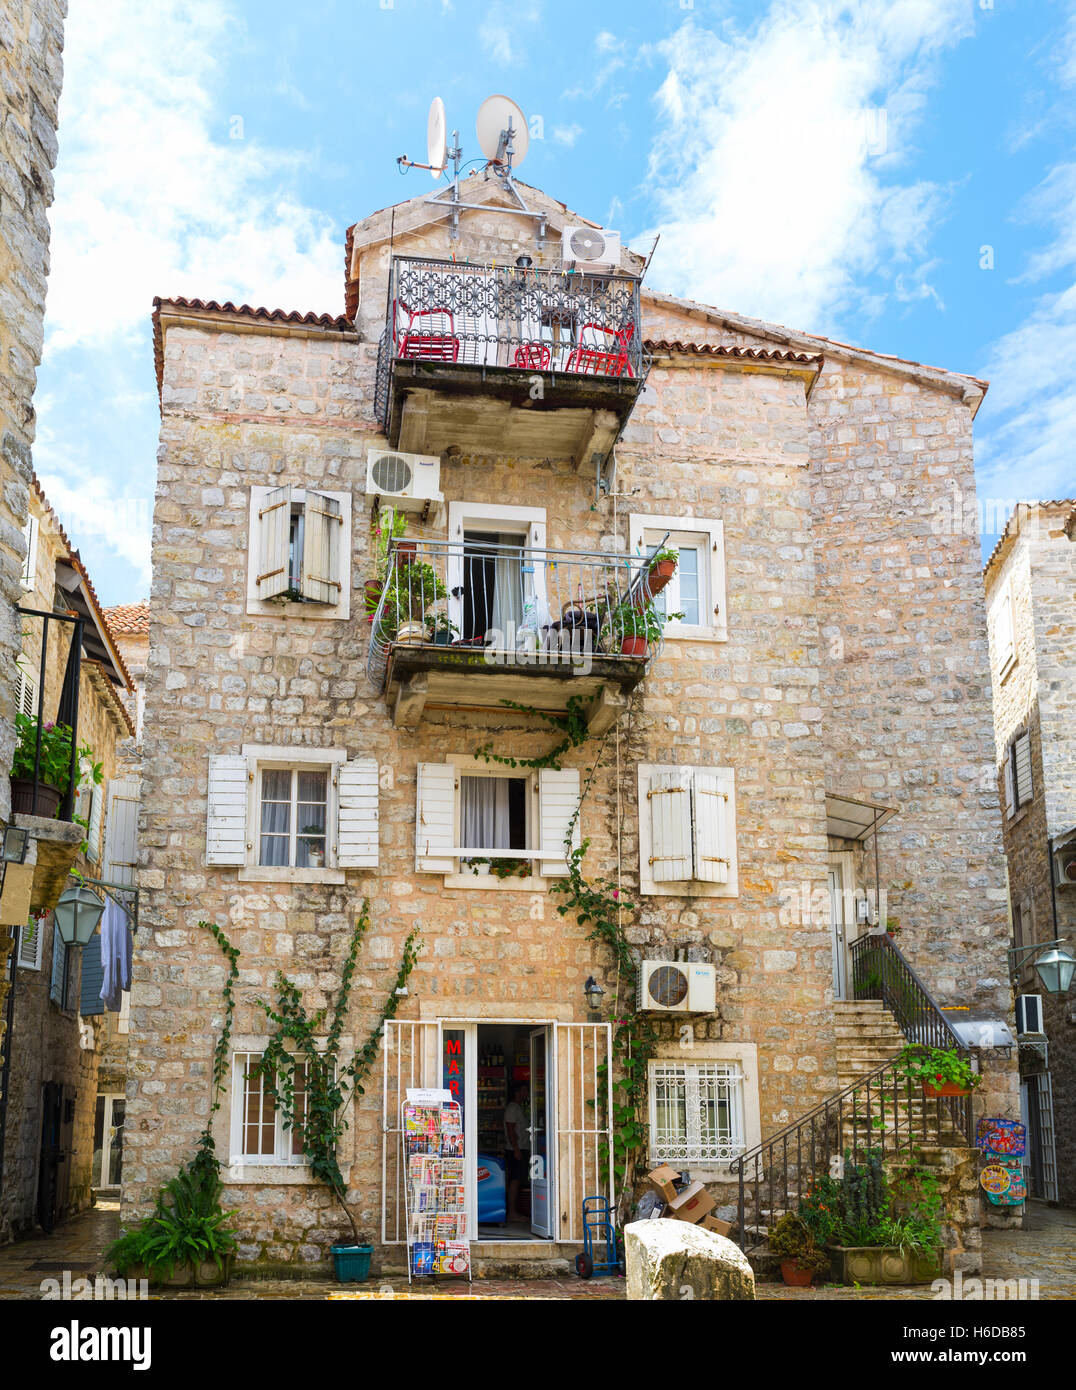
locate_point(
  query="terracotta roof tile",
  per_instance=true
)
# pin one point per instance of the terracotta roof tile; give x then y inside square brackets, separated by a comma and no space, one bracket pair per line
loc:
[129,617]
[809,359]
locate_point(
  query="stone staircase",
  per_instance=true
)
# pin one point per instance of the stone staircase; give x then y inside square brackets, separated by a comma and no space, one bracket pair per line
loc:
[867,1036]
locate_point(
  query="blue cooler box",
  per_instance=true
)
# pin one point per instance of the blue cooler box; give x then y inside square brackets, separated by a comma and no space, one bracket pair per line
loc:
[491,1191]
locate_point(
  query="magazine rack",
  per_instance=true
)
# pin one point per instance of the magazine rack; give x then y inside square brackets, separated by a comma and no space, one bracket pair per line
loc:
[435,1186]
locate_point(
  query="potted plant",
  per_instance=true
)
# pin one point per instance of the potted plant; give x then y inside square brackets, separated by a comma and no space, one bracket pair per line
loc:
[481,867]
[942,1071]
[877,1235]
[315,845]
[634,628]
[801,1259]
[292,594]
[412,589]
[662,568]
[54,766]
[440,630]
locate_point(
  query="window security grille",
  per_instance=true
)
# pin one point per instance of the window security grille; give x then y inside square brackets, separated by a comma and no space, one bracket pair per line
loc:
[696,1112]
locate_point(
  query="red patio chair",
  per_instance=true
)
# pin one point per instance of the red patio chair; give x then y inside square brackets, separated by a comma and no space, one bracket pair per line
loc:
[600,351]
[435,340]
[532,356]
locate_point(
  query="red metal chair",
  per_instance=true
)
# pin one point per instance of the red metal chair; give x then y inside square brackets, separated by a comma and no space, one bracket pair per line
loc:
[435,341]
[601,351]
[532,356]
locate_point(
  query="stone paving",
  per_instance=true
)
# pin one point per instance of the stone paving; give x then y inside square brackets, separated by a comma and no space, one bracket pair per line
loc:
[1044,1250]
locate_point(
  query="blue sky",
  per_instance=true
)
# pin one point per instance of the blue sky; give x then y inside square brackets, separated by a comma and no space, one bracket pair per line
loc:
[896,173]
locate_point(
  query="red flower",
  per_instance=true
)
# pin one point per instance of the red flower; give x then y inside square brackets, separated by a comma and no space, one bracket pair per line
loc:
[938,1077]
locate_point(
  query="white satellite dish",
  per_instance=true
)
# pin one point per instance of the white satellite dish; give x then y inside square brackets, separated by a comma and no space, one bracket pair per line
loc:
[435,138]
[494,116]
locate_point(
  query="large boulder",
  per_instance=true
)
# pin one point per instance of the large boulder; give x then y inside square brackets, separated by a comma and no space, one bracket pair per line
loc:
[674,1260]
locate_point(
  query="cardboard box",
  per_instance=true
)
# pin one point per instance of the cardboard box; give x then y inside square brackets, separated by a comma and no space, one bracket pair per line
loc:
[664,1180]
[715,1224]
[691,1205]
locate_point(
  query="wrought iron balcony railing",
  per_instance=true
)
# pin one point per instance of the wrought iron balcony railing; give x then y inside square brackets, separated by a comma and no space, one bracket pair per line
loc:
[880,971]
[503,316]
[515,604]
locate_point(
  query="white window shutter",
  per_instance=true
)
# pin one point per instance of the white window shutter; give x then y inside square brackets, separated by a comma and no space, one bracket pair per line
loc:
[1010,789]
[30,944]
[29,567]
[1004,632]
[93,834]
[710,827]
[322,546]
[26,694]
[357,829]
[226,819]
[121,830]
[1022,768]
[558,806]
[435,819]
[669,798]
[274,534]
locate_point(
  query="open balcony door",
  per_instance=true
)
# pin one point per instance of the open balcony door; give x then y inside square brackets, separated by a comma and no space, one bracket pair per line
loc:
[542,1110]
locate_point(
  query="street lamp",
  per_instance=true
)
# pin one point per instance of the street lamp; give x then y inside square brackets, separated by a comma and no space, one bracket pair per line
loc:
[76,914]
[593,993]
[1054,967]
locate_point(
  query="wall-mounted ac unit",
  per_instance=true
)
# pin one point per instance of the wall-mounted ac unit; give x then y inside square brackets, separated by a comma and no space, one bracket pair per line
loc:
[1065,866]
[590,248]
[408,481]
[680,987]
[1028,1014]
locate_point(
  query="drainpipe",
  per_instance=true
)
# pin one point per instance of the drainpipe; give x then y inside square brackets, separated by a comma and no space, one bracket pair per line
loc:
[5,1082]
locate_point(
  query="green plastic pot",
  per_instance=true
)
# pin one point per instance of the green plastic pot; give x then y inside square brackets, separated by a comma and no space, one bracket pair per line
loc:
[352,1262]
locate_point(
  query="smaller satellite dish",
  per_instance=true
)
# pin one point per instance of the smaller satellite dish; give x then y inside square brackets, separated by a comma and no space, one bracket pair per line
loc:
[494,116]
[435,138]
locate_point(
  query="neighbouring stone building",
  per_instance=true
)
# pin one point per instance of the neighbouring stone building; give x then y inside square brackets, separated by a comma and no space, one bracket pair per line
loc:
[313,739]
[60,1029]
[31,74]
[1031,599]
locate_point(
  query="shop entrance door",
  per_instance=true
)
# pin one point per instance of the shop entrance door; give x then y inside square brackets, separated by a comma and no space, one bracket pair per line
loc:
[541,1109]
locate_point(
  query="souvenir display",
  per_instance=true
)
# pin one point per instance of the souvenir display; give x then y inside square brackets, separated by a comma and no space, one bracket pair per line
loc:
[999,1136]
[435,1190]
[1003,1182]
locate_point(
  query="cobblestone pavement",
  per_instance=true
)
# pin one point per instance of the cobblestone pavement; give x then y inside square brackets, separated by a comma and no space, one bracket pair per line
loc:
[1045,1250]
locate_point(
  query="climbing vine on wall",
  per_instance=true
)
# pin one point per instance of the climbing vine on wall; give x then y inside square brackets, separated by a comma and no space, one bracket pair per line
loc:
[320,1120]
[572,722]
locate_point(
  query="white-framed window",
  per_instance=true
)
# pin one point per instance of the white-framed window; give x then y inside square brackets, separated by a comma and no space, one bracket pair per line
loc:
[468,812]
[299,552]
[1004,632]
[697,588]
[494,587]
[30,944]
[31,531]
[696,1112]
[258,1135]
[291,815]
[1019,786]
[687,831]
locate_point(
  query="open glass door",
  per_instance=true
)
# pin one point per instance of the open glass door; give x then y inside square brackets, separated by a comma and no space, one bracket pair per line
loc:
[541,1150]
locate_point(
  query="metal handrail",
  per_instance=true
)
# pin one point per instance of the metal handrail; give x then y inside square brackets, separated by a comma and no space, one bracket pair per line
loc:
[881,971]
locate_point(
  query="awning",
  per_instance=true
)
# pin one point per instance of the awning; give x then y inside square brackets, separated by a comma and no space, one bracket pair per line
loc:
[850,819]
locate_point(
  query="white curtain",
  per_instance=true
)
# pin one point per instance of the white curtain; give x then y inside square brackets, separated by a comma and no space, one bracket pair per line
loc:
[507,604]
[276,818]
[484,812]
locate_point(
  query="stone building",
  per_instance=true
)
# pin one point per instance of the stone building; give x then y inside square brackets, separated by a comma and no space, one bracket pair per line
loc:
[1030,592]
[312,739]
[31,74]
[59,1027]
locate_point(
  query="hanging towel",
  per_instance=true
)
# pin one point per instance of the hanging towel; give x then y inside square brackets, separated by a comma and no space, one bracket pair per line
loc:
[116,951]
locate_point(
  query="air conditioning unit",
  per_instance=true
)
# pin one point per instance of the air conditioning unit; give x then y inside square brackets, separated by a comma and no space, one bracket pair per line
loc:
[590,248]
[1028,1014]
[680,987]
[408,481]
[1065,866]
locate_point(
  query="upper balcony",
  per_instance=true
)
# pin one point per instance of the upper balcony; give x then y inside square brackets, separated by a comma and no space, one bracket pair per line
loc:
[477,624]
[496,360]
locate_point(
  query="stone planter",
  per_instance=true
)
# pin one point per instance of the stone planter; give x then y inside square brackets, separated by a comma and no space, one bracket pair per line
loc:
[22,798]
[882,1264]
[202,1275]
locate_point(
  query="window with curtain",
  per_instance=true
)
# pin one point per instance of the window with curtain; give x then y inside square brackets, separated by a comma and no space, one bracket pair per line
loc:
[696,1112]
[293,817]
[492,583]
[493,813]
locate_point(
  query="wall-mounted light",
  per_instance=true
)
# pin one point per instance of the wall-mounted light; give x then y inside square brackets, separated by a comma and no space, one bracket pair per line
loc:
[1054,967]
[16,843]
[593,994]
[77,913]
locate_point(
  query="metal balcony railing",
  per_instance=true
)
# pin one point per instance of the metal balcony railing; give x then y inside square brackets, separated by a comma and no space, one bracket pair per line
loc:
[515,604]
[880,971]
[40,799]
[530,319]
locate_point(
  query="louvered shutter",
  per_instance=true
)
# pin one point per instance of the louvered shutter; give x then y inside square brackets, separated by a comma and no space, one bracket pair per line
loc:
[26,694]
[1022,768]
[357,829]
[59,967]
[93,977]
[121,830]
[29,566]
[1003,632]
[1010,789]
[435,819]
[710,827]
[558,803]
[30,944]
[93,834]
[226,818]
[274,535]
[322,545]
[669,799]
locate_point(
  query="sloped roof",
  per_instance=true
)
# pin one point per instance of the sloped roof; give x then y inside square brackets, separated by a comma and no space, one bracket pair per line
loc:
[130,618]
[1014,522]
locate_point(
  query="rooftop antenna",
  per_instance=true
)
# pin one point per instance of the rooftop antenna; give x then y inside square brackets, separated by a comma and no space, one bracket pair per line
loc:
[504,138]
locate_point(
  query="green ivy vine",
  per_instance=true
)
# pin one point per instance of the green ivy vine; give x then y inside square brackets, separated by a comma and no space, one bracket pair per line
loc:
[319,1124]
[572,723]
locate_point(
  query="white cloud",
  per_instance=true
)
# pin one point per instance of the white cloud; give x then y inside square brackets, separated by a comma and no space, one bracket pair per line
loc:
[152,196]
[567,134]
[500,31]
[778,151]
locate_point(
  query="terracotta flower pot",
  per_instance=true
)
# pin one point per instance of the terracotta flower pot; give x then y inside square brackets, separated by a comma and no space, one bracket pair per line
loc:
[406,550]
[22,798]
[632,646]
[659,576]
[947,1088]
[795,1276]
